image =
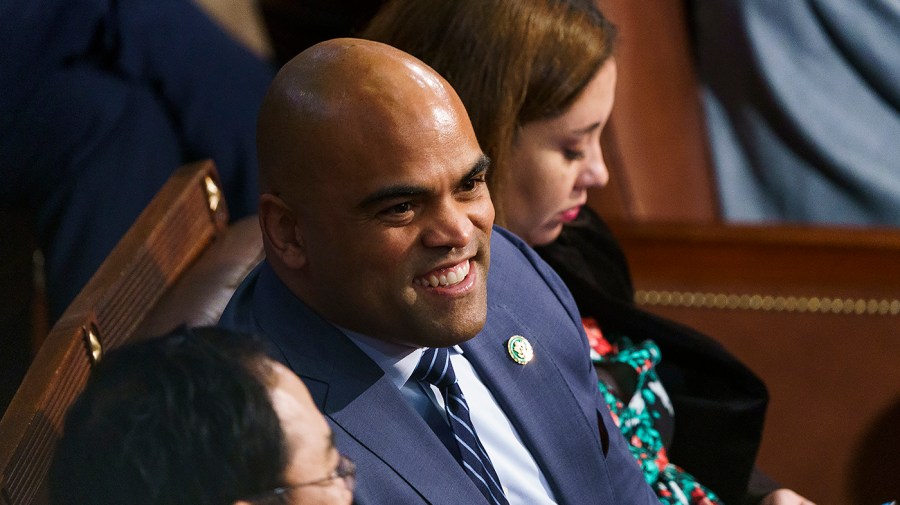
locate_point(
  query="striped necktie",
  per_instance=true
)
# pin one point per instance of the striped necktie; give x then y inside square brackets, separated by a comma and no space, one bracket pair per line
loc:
[435,368]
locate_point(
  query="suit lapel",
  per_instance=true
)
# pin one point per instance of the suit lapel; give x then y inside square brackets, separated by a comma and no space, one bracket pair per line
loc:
[381,420]
[562,437]
[355,394]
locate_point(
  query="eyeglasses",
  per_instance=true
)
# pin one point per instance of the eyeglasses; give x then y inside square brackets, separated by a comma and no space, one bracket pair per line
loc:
[345,470]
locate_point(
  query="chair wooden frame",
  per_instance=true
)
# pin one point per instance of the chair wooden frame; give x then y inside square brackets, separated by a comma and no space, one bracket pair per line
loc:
[180,222]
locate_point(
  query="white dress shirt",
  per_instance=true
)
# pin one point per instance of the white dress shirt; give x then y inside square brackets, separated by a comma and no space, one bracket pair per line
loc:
[522,480]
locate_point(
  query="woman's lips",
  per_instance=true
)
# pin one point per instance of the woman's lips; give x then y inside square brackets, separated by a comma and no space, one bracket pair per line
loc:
[568,216]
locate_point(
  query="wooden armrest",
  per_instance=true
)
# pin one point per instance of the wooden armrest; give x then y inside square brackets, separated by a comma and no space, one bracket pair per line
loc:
[177,225]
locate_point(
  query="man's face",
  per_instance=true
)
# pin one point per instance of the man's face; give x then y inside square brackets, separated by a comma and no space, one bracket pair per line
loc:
[397,229]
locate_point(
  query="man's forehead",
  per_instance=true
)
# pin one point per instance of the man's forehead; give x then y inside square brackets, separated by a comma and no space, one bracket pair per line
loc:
[404,114]
[364,74]
[395,111]
[423,180]
[427,135]
[416,172]
[384,89]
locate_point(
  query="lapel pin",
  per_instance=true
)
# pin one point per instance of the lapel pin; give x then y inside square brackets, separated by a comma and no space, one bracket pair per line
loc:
[520,349]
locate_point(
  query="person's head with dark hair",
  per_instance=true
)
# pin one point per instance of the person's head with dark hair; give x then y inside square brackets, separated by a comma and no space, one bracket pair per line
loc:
[198,416]
[537,78]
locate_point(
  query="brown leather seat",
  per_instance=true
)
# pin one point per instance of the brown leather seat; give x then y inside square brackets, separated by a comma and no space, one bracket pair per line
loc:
[178,263]
[200,295]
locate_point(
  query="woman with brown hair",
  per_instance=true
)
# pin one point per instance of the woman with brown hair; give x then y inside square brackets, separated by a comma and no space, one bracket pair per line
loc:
[538,80]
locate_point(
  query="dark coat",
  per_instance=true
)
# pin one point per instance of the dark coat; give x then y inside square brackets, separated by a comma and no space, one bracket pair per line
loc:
[719,403]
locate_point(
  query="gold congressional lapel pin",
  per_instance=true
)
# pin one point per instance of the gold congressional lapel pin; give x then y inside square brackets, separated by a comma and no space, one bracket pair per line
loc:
[520,349]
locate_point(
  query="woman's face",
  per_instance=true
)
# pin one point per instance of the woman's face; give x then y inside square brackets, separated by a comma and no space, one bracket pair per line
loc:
[554,161]
[313,459]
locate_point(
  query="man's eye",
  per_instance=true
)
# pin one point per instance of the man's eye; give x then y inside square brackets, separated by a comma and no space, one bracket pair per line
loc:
[573,154]
[400,208]
[472,184]
[397,214]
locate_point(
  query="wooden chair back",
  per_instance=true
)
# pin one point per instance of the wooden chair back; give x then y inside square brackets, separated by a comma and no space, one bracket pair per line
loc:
[181,221]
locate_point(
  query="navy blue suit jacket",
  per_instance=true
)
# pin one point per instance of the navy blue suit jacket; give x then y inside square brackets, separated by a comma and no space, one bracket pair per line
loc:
[553,401]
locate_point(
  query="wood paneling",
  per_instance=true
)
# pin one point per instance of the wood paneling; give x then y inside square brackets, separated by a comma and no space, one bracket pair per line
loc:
[829,358]
[655,143]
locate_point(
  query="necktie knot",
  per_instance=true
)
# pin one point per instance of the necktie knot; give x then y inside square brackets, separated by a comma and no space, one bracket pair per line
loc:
[434,368]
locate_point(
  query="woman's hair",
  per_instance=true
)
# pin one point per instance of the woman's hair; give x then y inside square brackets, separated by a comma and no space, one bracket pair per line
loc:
[510,61]
[185,418]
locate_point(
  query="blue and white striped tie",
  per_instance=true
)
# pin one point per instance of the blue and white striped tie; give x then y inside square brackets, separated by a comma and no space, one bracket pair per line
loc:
[434,368]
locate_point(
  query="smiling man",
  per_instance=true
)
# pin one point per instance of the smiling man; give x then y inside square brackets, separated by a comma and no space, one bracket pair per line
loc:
[372,191]
[447,381]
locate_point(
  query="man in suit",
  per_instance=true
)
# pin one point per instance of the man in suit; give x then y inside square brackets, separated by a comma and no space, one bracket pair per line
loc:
[378,233]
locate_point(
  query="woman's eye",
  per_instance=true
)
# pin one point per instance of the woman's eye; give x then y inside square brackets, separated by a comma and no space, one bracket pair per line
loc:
[573,154]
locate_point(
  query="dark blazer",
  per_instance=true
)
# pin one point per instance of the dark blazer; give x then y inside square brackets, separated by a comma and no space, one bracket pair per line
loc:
[553,401]
[719,403]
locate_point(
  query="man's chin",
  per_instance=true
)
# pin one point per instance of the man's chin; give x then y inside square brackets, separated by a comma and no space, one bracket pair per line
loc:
[448,333]
[458,337]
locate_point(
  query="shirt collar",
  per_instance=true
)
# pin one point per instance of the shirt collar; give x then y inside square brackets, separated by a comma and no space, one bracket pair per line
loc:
[398,361]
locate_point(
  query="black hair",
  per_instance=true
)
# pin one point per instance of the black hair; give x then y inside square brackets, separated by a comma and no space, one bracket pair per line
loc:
[181,419]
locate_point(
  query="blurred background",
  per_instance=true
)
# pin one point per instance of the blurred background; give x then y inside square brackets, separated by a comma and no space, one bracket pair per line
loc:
[754,152]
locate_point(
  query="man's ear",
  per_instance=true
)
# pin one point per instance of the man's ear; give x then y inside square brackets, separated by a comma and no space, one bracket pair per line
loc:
[281,232]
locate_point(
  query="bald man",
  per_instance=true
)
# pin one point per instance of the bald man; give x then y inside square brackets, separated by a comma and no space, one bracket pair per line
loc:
[378,234]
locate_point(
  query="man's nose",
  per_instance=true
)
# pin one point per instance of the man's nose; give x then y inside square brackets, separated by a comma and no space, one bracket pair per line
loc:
[594,172]
[451,226]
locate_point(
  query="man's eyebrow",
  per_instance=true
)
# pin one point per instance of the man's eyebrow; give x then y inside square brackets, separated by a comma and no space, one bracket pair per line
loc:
[481,166]
[391,192]
[408,191]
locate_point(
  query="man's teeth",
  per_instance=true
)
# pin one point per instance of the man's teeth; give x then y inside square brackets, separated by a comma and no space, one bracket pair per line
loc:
[448,278]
